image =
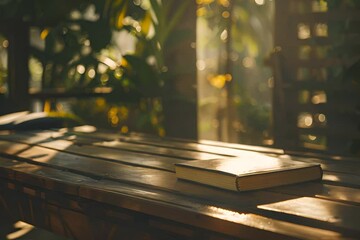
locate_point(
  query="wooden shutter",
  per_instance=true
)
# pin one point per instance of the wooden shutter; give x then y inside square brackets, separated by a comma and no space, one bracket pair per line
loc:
[316,69]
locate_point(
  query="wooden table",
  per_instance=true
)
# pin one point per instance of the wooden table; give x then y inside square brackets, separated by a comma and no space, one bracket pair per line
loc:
[101,185]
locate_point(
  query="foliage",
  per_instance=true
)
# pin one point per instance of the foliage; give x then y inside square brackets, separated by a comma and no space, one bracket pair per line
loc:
[80,50]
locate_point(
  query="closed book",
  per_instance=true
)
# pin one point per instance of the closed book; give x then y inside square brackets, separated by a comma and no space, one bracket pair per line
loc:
[243,174]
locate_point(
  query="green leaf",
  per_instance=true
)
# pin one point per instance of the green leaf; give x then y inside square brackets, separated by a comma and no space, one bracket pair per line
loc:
[179,13]
[144,76]
[157,10]
[99,33]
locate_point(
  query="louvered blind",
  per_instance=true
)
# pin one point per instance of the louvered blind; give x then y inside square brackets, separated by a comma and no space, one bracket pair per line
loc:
[317,75]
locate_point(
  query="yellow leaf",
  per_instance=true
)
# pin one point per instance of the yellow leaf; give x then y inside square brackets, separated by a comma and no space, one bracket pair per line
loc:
[124,112]
[154,120]
[44,33]
[100,102]
[47,106]
[161,132]
[124,63]
[124,129]
[112,112]
[201,12]
[199,2]
[121,16]
[224,3]
[228,77]
[146,23]
[114,120]
[219,81]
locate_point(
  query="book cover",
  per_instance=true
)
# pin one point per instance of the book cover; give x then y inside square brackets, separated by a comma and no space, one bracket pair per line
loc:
[243,174]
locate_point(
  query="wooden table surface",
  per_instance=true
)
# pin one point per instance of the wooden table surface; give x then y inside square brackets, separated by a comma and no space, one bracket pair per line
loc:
[101,185]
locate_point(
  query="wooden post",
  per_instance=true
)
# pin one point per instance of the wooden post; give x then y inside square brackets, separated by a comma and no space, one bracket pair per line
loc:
[284,101]
[180,97]
[18,70]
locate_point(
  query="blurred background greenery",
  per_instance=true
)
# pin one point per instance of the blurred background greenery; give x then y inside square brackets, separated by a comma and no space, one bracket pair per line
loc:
[119,45]
[112,45]
[234,39]
[121,48]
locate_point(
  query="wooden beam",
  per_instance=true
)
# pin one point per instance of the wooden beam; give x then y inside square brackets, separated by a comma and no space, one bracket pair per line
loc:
[18,70]
[180,97]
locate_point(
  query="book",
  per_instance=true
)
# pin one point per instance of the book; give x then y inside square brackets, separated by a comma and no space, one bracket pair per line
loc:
[244,173]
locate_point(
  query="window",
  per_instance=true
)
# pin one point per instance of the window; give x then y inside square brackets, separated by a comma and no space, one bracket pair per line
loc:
[234,82]
[316,100]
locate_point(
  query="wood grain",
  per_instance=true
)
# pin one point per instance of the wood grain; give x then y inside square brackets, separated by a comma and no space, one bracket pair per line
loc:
[247,225]
[110,174]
